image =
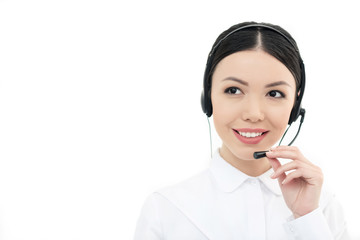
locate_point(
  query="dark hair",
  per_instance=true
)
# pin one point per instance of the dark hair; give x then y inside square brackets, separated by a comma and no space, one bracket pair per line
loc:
[258,37]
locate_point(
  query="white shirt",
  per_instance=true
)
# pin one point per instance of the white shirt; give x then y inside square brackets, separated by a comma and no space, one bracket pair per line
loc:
[222,203]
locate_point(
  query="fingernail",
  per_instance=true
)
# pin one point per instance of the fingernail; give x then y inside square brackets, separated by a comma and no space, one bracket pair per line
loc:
[269,154]
[272,175]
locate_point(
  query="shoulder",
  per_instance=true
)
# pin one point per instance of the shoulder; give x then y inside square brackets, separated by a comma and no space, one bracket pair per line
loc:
[181,199]
[327,195]
[193,186]
[187,190]
[329,203]
[327,198]
[333,211]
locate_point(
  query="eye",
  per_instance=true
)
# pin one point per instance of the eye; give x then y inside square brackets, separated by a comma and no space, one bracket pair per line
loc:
[276,94]
[233,90]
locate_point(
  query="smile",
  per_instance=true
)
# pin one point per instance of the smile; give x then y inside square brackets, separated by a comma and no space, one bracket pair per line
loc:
[250,136]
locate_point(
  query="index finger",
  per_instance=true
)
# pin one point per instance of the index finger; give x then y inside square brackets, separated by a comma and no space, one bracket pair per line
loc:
[287,152]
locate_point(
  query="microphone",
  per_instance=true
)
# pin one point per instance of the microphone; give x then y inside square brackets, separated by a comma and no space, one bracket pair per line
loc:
[262,154]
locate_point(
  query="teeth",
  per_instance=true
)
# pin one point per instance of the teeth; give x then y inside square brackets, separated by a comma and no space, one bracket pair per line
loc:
[250,134]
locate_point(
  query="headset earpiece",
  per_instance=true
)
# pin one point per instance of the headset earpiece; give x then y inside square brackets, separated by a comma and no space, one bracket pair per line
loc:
[297,110]
[206,104]
[203,102]
[205,94]
[295,113]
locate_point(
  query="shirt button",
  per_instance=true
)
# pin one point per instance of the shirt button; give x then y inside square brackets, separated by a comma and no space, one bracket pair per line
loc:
[291,228]
[252,181]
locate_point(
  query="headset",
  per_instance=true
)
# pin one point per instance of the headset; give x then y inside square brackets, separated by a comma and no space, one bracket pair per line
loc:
[296,111]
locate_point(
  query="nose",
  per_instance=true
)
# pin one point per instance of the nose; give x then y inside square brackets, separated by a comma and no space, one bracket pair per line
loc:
[253,110]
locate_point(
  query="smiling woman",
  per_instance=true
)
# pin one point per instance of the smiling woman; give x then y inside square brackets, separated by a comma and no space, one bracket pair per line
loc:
[253,87]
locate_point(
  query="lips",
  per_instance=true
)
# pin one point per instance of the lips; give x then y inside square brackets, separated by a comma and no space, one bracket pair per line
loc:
[250,135]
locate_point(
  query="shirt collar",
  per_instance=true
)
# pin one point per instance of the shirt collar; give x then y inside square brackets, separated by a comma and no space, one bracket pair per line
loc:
[228,178]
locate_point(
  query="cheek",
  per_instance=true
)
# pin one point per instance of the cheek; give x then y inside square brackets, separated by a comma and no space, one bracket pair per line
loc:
[223,114]
[279,117]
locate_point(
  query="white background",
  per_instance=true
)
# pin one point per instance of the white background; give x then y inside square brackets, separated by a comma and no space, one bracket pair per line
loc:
[99,105]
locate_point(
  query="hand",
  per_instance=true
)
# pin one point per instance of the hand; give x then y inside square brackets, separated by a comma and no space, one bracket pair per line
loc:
[302,187]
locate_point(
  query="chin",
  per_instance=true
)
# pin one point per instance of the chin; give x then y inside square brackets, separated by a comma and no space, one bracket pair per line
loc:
[247,155]
[243,153]
[246,152]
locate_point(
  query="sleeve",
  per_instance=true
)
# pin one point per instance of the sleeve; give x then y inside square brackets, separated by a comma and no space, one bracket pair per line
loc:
[326,223]
[148,225]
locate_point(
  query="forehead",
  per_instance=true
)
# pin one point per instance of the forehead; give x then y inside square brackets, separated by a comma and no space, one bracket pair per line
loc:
[254,67]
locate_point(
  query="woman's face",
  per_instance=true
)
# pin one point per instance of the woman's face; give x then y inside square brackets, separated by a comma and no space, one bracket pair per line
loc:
[252,96]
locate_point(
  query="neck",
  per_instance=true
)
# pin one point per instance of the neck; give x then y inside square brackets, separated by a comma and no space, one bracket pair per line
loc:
[251,168]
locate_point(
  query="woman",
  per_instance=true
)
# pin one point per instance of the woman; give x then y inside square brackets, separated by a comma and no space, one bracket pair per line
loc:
[253,85]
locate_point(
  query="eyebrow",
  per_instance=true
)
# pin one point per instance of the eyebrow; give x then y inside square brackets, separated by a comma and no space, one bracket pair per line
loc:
[274,84]
[237,80]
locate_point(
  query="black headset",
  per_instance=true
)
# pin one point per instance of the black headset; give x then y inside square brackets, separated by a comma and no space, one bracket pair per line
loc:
[206,93]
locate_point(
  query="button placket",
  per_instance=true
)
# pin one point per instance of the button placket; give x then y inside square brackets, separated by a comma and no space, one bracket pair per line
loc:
[256,214]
